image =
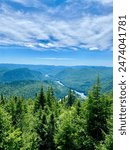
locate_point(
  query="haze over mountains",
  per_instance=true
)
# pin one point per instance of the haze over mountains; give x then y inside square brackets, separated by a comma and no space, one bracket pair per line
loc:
[26,80]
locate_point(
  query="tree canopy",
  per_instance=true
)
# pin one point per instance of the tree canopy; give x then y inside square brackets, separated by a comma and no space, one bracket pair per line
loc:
[46,123]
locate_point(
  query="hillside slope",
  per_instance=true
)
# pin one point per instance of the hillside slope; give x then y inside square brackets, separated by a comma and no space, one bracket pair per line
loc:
[14,78]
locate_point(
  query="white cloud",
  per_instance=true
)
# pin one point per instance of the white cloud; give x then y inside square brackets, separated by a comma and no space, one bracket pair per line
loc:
[93,48]
[29,29]
[24,2]
[30,3]
[48,45]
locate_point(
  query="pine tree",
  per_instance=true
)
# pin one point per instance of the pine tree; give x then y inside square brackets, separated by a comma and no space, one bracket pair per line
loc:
[19,113]
[11,108]
[78,107]
[9,137]
[96,116]
[65,135]
[70,98]
[50,97]
[42,131]
[51,131]
[40,101]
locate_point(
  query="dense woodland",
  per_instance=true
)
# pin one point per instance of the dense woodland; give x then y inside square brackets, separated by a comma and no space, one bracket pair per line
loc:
[26,80]
[46,123]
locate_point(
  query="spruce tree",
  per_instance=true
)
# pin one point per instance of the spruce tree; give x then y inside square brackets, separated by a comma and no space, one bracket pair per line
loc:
[96,116]
[50,97]
[9,137]
[40,101]
[70,98]
[51,131]
[78,107]
[65,133]
[42,131]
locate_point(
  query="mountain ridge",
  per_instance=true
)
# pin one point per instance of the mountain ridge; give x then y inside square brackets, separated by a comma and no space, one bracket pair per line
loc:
[78,78]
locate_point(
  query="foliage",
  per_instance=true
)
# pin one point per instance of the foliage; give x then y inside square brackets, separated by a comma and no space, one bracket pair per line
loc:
[26,80]
[43,122]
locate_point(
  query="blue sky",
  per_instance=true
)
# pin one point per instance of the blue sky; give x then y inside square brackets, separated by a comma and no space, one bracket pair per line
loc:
[56,32]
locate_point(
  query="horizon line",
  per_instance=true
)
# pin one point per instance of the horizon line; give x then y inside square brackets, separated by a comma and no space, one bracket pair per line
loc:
[56,65]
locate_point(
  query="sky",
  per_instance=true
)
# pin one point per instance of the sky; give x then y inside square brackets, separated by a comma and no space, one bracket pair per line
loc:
[56,32]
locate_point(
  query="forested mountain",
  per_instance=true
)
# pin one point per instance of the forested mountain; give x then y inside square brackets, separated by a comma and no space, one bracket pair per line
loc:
[29,88]
[82,78]
[21,74]
[24,80]
[44,123]
[44,108]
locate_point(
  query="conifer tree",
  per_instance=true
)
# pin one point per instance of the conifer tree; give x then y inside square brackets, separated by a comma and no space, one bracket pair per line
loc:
[11,108]
[9,137]
[78,107]
[42,131]
[65,135]
[70,98]
[96,116]
[51,131]
[40,101]
[50,96]
[19,113]
[2,100]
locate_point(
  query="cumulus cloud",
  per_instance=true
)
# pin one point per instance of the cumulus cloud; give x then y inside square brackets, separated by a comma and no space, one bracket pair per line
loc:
[42,31]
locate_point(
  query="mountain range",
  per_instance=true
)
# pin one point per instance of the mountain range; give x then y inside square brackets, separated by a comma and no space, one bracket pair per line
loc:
[26,80]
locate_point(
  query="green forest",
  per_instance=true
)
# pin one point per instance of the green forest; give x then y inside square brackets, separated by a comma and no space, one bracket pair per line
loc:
[47,123]
[26,80]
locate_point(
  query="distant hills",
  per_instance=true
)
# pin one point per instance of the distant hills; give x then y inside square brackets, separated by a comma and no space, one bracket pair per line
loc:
[26,80]
[21,74]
